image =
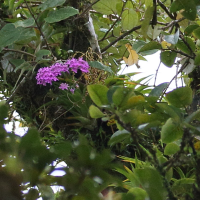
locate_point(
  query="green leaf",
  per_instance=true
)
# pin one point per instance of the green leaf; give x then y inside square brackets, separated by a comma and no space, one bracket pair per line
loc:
[98,94]
[110,93]
[26,36]
[171,148]
[107,7]
[61,14]
[150,46]
[129,19]
[158,90]
[171,131]
[197,33]
[147,18]
[50,4]
[151,181]
[189,7]
[118,137]
[197,58]
[9,34]
[100,66]
[171,111]
[172,39]
[168,58]
[95,112]
[41,53]
[190,29]
[183,47]
[25,23]
[138,193]
[180,97]
[118,96]
[133,102]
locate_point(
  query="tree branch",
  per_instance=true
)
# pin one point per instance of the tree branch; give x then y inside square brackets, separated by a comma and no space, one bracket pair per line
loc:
[121,37]
[19,51]
[165,9]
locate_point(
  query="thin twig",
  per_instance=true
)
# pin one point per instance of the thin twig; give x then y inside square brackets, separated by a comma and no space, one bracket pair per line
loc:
[168,25]
[180,70]
[156,74]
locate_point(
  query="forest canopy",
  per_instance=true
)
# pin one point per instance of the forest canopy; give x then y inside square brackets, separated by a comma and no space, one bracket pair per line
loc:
[120,138]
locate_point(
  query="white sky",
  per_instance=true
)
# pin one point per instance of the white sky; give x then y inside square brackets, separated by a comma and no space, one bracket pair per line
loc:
[149,67]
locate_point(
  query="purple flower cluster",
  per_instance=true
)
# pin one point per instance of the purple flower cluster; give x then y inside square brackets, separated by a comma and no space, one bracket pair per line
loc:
[49,74]
[75,64]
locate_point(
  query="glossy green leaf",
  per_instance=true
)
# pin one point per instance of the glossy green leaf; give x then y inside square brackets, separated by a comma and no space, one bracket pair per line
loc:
[151,181]
[99,65]
[98,94]
[150,46]
[50,4]
[168,58]
[118,137]
[158,90]
[9,34]
[171,148]
[129,19]
[172,39]
[61,14]
[95,112]
[180,97]
[107,7]
[171,131]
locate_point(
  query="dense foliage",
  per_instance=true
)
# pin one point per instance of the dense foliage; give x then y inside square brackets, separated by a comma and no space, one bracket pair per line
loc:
[120,138]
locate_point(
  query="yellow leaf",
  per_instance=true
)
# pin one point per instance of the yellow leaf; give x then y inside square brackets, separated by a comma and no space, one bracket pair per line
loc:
[165,44]
[129,47]
[133,56]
